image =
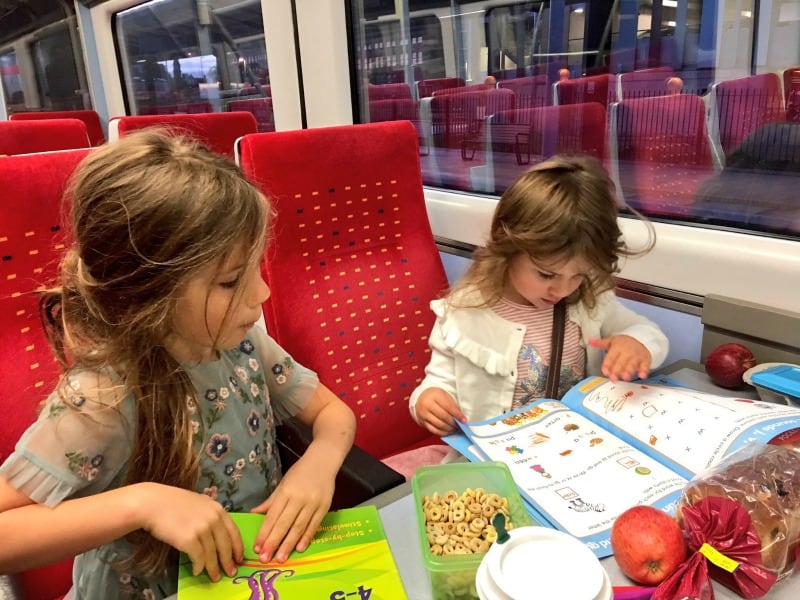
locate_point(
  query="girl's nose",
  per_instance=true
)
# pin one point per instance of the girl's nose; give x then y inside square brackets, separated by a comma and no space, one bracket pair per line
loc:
[259,290]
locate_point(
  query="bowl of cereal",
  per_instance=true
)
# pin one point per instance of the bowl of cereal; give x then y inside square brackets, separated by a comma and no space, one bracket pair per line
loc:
[455,504]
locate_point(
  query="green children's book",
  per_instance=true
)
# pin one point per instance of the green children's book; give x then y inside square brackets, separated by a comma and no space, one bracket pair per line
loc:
[348,559]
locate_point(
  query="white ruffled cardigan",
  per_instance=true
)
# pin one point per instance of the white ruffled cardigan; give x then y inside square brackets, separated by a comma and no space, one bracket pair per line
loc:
[474,351]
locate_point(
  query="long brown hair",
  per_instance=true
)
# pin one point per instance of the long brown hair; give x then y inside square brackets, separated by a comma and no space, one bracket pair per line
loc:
[560,209]
[147,213]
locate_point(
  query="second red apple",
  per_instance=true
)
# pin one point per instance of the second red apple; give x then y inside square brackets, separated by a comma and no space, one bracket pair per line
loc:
[648,544]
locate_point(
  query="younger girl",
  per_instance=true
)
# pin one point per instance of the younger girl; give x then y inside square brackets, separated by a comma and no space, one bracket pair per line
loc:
[554,236]
[165,418]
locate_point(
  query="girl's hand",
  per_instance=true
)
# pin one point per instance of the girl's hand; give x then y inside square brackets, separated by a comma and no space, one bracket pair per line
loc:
[192,523]
[294,510]
[438,412]
[626,357]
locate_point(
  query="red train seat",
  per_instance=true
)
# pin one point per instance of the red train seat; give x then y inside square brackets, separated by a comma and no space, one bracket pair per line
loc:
[27,137]
[89,117]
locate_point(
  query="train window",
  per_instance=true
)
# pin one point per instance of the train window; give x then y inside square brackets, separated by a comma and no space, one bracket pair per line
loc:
[693,107]
[179,56]
[41,62]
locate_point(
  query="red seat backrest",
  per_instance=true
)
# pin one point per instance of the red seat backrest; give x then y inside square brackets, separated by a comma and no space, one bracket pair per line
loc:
[352,266]
[27,137]
[663,151]
[426,87]
[32,242]
[644,83]
[743,105]
[791,91]
[522,137]
[89,117]
[595,88]
[218,131]
[530,92]
[460,117]
[260,108]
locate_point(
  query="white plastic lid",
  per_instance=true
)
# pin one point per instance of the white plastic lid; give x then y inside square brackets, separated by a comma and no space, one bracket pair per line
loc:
[556,564]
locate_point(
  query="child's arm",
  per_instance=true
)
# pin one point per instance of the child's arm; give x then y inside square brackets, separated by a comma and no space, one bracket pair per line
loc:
[297,506]
[633,344]
[188,521]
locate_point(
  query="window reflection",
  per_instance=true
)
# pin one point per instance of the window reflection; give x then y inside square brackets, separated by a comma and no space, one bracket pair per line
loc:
[43,70]
[660,92]
[194,56]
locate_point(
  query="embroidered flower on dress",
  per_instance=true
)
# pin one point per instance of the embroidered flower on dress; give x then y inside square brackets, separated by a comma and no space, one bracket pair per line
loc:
[229,469]
[211,492]
[195,425]
[253,364]
[246,346]
[234,385]
[253,422]
[278,370]
[218,446]
[212,395]
[83,466]
[219,404]
[240,464]
[254,391]
[224,392]
[241,373]
[227,505]
[191,405]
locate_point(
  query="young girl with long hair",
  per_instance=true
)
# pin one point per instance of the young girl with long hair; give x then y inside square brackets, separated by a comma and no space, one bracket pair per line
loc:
[165,416]
[554,238]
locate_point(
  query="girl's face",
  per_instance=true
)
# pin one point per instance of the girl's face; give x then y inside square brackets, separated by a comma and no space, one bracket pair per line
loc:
[542,283]
[199,326]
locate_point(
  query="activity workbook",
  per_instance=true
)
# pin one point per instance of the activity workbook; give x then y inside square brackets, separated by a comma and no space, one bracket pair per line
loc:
[348,559]
[607,446]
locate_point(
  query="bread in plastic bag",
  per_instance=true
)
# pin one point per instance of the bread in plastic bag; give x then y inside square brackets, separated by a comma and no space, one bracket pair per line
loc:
[743,516]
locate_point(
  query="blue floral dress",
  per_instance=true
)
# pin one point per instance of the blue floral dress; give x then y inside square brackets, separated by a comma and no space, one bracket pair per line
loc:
[84,449]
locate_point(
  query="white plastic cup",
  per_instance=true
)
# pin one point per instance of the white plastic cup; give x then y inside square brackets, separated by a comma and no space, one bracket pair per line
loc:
[542,563]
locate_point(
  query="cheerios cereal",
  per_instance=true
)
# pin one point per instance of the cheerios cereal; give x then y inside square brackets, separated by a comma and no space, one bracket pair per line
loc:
[462,524]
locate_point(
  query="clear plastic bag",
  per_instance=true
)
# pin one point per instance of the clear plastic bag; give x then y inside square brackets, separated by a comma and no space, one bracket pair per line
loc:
[741,519]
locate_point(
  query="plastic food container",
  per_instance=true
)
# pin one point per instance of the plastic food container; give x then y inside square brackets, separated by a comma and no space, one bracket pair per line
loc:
[453,576]
[557,564]
[776,382]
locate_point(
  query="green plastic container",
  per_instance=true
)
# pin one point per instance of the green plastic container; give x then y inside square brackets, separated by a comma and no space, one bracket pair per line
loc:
[453,576]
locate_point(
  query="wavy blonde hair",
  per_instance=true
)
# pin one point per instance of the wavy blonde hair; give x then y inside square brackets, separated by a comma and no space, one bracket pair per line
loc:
[562,208]
[148,212]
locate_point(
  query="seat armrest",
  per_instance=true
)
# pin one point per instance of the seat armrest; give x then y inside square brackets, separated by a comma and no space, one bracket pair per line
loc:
[361,477]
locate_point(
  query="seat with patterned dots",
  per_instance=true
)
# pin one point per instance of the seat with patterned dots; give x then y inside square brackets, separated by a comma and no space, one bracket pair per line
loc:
[352,266]
[32,242]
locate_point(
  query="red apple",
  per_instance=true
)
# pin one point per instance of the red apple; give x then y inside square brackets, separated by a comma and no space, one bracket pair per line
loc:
[648,544]
[726,364]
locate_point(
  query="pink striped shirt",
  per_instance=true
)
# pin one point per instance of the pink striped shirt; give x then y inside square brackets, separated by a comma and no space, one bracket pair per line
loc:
[534,356]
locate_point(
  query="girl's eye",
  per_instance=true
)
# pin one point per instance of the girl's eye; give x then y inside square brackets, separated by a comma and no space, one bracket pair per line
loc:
[547,276]
[229,284]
